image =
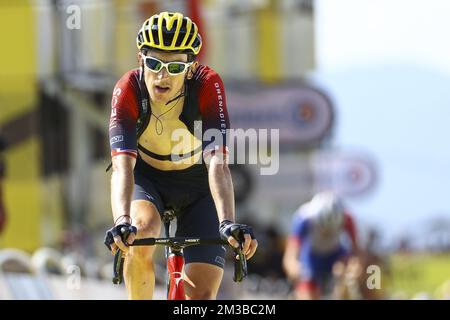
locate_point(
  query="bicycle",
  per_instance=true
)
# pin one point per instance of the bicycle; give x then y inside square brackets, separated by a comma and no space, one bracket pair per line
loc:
[175,257]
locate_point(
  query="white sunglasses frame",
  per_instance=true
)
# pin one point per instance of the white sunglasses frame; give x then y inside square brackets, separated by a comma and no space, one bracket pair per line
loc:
[166,64]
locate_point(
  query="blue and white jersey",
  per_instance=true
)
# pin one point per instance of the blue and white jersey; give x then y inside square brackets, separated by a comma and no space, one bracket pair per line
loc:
[306,231]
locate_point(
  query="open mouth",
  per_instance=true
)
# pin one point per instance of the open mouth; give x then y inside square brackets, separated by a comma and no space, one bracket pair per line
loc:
[161,89]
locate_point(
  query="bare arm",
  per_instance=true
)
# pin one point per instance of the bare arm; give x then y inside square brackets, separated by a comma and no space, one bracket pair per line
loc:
[221,187]
[222,191]
[212,106]
[291,264]
[122,183]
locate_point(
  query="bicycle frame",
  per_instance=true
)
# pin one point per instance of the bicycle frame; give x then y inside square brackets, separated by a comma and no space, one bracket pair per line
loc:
[175,266]
[175,263]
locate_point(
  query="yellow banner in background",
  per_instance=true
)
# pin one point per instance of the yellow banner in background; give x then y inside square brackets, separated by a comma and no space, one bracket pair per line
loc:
[17,97]
[269,45]
[18,58]
[22,198]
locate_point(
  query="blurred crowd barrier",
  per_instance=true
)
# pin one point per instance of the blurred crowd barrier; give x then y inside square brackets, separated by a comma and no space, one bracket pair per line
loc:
[48,275]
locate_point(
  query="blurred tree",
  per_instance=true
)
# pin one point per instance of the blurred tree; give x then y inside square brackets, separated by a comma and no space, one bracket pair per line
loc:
[437,234]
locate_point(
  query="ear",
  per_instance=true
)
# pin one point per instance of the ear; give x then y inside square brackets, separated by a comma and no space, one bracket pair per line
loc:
[139,59]
[192,70]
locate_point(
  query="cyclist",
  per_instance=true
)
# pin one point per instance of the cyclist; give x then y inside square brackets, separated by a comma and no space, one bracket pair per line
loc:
[316,244]
[159,160]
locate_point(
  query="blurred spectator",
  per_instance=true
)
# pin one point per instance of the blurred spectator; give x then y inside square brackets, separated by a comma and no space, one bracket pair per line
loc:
[2,175]
[351,279]
[316,245]
[437,234]
[371,256]
[405,245]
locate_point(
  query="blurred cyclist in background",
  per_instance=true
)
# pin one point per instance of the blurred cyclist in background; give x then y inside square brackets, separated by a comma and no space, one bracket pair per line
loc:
[323,233]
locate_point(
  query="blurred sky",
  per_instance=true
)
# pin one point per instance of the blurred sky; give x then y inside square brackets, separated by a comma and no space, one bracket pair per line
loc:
[386,64]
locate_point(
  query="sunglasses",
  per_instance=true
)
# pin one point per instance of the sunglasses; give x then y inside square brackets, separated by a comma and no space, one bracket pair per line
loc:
[173,67]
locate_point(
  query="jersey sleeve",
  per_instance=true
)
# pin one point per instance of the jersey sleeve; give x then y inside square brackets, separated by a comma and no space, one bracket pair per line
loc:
[124,116]
[215,120]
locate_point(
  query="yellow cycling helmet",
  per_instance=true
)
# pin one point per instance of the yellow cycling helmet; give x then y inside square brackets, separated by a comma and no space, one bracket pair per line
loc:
[170,31]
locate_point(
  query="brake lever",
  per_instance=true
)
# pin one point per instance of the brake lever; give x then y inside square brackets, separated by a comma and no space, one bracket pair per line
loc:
[119,260]
[240,266]
[118,267]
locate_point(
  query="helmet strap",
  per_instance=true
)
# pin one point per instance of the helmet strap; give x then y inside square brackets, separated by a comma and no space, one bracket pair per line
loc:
[141,74]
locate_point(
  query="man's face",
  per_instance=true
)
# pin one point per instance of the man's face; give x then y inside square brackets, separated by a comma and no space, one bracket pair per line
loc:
[162,86]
